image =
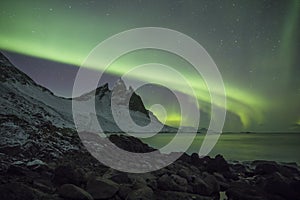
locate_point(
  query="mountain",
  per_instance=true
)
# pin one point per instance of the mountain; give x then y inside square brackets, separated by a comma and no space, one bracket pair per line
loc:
[23,98]
[42,157]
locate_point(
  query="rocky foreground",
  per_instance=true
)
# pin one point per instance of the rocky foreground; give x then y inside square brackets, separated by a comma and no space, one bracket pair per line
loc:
[55,165]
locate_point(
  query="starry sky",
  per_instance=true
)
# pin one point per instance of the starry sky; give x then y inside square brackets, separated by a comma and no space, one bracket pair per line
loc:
[255,45]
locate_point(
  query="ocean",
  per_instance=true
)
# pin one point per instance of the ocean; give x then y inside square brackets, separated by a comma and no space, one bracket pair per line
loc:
[281,147]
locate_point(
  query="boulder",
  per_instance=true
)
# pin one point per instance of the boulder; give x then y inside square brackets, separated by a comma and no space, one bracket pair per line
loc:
[195,160]
[65,174]
[206,185]
[18,170]
[70,191]
[278,185]
[244,191]
[43,185]
[266,167]
[172,195]
[37,165]
[101,188]
[212,182]
[11,150]
[124,190]
[144,193]
[221,181]
[130,143]
[17,191]
[121,177]
[185,173]
[218,164]
[172,182]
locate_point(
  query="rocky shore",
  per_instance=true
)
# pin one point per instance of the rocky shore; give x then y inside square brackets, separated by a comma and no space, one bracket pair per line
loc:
[65,170]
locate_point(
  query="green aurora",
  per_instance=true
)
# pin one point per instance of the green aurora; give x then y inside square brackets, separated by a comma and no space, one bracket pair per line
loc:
[66,31]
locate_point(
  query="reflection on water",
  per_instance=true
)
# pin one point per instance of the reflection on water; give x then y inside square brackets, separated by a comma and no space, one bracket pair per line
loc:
[282,147]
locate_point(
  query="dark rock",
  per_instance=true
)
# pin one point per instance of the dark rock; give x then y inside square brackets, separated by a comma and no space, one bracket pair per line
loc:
[239,168]
[67,174]
[206,185]
[173,195]
[121,177]
[221,181]
[17,191]
[124,190]
[295,185]
[172,182]
[152,184]
[195,160]
[11,149]
[212,183]
[276,184]
[37,165]
[144,193]
[17,170]
[218,164]
[43,185]
[244,191]
[185,173]
[130,143]
[101,188]
[136,104]
[185,158]
[266,167]
[70,191]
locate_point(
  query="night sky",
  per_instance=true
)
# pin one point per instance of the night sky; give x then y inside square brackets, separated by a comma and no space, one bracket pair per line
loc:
[255,45]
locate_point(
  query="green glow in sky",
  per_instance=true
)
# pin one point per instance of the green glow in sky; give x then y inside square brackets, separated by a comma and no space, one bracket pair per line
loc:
[67,32]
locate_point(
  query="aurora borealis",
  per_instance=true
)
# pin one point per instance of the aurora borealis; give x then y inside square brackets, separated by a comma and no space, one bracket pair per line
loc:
[255,45]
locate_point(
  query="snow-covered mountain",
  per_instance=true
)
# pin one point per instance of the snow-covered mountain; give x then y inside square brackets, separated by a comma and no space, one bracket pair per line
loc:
[22,98]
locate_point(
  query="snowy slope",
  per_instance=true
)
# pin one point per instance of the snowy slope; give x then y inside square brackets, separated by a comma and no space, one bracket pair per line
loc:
[22,97]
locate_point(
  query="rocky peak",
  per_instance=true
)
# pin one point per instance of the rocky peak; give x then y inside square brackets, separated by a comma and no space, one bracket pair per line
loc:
[122,96]
[119,86]
[99,93]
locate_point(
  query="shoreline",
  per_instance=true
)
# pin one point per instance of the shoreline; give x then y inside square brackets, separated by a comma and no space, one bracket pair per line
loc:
[77,175]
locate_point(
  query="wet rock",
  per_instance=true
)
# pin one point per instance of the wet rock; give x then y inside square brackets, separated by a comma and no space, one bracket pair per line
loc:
[244,191]
[218,164]
[138,182]
[295,185]
[43,185]
[152,183]
[278,185]
[195,160]
[212,182]
[66,174]
[185,173]
[17,170]
[185,158]
[70,191]
[144,193]
[37,165]
[172,182]
[239,168]
[130,143]
[221,181]
[204,185]
[173,195]
[124,190]
[101,188]
[121,177]
[17,191]
[266,167]
[11,150]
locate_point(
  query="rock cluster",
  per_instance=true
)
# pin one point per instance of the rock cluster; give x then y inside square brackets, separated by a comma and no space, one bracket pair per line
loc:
[77,175]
